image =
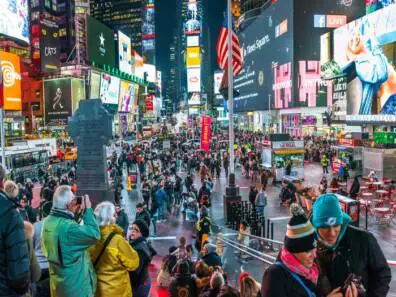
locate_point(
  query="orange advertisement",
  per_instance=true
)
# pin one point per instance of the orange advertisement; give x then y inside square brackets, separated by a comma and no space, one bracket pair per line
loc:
[11,77]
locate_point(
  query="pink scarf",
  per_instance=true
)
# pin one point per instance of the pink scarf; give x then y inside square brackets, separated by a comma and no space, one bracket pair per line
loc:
[295,266]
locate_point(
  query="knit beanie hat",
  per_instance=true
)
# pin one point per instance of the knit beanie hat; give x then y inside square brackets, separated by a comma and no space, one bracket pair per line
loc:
[300,236]
[326,211]
[144,229]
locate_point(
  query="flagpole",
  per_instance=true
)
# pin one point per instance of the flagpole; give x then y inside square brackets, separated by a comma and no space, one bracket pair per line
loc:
[230,89]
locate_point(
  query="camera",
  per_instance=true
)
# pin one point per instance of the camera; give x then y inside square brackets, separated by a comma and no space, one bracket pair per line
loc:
[357,280]
[79,200]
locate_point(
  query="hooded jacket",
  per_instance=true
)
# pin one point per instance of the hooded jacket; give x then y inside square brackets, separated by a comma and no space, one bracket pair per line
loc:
[65,244]
[356,251]
[114,264]
[14,258]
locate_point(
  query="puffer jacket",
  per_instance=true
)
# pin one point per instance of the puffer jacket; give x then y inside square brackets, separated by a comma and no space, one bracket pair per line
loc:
[65,244]
[14,258]
[358,252]
[117,259]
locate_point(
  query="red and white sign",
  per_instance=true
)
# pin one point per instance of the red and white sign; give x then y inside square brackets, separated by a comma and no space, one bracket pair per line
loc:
[149,102]
[335,21]
[348,142]
[205,133]
[287,144]
[194,80]
[266,142]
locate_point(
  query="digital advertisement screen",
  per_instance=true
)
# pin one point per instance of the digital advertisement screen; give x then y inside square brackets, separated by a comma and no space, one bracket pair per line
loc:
[365,50]
[374,5]
[193,80]
[193,24]
[192,41]
[193,57]
[94,85]
[267,48]
[11,81]
[148,30]
[49,45]
[101,46]
[218,76]
[124,53]
[109,89]
[57,99]
[14,19]
[127,99]
[78,92]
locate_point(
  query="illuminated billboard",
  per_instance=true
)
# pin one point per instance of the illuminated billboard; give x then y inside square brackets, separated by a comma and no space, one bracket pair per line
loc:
[218,76]
[193,58]
[193,80]
[128,96]
[364,50]
[100,43]
[11,81]
[49,45]
[94,85]
[192,26]
[192,41]
[148,29]
[109,89]
[124,53]
[14,19]
[57,99]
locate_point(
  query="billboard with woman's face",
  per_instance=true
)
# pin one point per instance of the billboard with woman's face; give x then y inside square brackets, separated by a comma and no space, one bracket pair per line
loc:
[365,50]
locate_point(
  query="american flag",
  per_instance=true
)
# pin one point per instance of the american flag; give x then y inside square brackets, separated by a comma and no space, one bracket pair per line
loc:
[222,50]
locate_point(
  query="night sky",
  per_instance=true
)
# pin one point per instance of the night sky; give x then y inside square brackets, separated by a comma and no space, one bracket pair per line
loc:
[166,23]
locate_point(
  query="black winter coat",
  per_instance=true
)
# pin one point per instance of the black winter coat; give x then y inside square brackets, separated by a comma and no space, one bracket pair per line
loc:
[277,282]
[183,285]
[358,253]
[140,275]
[14,257]
[212,259]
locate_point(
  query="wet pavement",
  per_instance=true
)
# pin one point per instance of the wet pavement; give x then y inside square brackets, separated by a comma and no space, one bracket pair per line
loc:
[170,231]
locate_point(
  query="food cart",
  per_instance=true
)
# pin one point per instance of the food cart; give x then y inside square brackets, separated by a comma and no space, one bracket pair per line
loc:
[348,152]
[276,154]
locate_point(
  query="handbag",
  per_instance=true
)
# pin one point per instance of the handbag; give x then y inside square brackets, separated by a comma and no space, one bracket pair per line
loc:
[106,243]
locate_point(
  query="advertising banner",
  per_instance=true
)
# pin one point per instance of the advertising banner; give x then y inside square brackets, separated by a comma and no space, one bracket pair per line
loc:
[124,53]
[148,29]
[193,80]
[206,133]
[192,41]
[127,96]
[14,19]
[218,76]
[10,71]
[267,47]
[149,102]
[78,92]
[100,43]
[193,57]
[94,91]
[109,89]
[49,45]
[364,49]
[193,16]
[57,100]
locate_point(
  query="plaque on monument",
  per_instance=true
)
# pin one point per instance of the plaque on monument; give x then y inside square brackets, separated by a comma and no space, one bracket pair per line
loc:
[91,129]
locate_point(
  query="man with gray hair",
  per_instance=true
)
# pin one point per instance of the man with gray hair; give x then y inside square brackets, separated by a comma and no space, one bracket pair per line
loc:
[14,258]
[65,243]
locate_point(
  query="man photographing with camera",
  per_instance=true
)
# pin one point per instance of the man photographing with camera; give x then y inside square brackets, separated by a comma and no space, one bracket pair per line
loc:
[65,244]
[349,258]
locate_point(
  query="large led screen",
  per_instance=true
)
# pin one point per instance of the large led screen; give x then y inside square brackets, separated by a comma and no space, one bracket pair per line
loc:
[14,19]
[10,72]
[267,56]
[365,50]
[109,89]
[127,99]
[94,89]
[57,99]
[49,45]
[124,53]
[194,80]
[192,26]
[101,46]
[193,58]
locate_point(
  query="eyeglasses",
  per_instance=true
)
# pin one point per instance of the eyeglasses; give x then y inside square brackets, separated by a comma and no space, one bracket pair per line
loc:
[135,229]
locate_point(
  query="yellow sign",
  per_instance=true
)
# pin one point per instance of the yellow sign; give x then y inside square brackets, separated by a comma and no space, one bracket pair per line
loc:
[193,57]
[289,152]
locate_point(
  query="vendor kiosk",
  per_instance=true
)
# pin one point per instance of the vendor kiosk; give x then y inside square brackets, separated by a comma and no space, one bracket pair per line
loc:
[350,207]
[348,152]
[277,154]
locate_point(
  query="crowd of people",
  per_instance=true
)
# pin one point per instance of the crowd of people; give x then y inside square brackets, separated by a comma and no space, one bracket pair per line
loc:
[67,247]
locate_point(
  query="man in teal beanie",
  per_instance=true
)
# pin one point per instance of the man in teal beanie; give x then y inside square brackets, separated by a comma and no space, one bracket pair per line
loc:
[344,250]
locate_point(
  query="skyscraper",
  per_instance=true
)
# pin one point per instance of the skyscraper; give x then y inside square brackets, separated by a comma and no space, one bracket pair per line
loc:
[126,16]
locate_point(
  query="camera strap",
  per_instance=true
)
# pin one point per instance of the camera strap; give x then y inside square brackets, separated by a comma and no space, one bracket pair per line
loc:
[297,278]
[106,243]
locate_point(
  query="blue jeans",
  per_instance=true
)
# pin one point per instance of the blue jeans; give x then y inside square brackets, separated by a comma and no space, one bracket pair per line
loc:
[142,290]
[261,209]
